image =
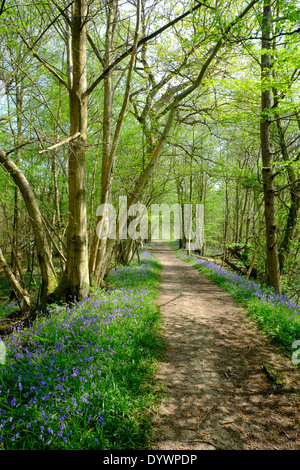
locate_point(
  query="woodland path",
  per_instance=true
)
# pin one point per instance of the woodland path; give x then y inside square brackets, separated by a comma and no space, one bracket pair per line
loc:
[219,393]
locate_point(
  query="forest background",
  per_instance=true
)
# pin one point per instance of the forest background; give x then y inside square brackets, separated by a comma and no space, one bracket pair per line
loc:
[161,102]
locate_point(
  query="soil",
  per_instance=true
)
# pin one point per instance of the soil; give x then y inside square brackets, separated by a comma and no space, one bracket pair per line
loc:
[227,386]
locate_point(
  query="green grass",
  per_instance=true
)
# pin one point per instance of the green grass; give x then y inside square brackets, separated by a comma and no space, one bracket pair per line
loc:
[82,376]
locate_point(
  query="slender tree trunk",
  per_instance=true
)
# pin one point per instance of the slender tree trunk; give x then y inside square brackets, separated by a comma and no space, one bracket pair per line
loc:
[243,216]
[99,253]
[75,283]
[190,197]
[17,195]
[226,219]
[57,215]
[267,172]
[98,247]
[237,214]
[21,293]
[48,275]
[179,188]
[55,179]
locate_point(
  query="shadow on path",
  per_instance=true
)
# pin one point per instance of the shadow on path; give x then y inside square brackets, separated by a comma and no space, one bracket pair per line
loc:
[218,394]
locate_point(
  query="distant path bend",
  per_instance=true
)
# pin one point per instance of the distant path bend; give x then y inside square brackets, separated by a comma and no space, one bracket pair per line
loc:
[219,392]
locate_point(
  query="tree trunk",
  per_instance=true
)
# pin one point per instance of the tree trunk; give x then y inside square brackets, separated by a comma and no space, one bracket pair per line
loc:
[48,275]
[98,248]
[17,196]
[267,172]
[75,283]
[21,293]
[99,254]
[226,219]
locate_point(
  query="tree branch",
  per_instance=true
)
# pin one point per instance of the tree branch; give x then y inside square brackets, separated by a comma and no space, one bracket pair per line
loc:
[2,7]
[140,43]
[61,80]
[35,42]
[62,142]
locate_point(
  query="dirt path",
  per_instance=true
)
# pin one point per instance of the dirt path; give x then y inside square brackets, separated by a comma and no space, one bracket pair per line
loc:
[220,394]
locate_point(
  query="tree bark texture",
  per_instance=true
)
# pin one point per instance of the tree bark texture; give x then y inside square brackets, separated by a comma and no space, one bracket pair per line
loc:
[76,279]
[266,153]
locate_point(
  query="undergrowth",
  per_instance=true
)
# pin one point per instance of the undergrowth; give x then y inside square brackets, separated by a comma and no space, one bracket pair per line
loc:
[81,377]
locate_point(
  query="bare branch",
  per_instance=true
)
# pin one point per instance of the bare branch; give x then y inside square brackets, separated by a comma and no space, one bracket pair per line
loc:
[61,80]
[62,142]
[35,42]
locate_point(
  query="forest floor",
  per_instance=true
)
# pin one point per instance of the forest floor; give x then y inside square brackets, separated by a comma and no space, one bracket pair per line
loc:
[227,386]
